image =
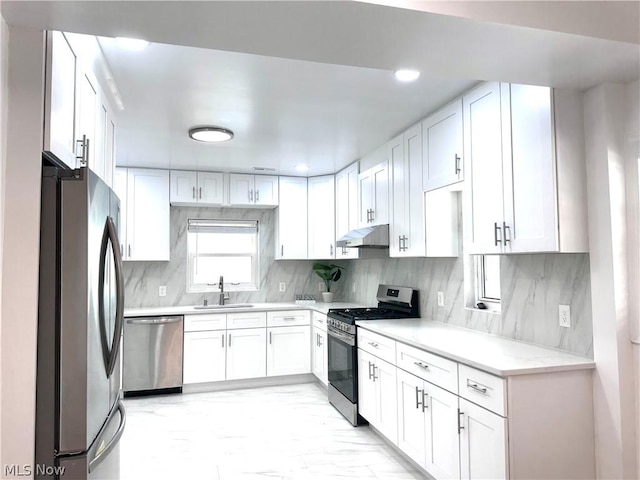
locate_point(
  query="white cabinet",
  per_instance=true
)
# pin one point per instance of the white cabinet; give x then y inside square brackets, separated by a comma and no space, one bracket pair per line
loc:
[524,158]
[377,399]
[196,188]
[483,443]
[321,217]
[347,207]
[288,350]
[120,188]
[145,205]
[246,353]
[373,189]
[253,190]
[319,366]
[442,147]
[204,356]
[291,230]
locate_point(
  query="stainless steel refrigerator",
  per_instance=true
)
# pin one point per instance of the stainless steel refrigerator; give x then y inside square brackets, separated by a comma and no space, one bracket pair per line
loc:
[79,415]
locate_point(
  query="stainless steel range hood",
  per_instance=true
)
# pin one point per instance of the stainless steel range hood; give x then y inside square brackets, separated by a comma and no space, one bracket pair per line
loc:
[366,237]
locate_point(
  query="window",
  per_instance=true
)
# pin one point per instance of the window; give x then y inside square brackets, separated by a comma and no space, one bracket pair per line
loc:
[488,280]
[227,248]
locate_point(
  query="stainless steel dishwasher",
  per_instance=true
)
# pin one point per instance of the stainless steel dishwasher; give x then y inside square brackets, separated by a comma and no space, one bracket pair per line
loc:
[152,355]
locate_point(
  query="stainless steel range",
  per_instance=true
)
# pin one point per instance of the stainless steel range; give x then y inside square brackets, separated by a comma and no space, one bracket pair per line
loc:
[393,302]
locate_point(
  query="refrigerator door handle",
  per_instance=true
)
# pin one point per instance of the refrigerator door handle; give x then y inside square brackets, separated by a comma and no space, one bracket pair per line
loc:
[110,353]
[104,452]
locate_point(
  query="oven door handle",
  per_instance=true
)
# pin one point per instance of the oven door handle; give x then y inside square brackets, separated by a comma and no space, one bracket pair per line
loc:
[342,336]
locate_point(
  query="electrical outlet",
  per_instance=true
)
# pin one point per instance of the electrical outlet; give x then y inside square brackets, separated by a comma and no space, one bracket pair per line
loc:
[321,286]
[162,291]
[353,287]
[564,316]
[283,287]
[440,299]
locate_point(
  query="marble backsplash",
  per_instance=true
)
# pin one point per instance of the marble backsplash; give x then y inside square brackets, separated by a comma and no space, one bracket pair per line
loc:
[142,279]
[532,287]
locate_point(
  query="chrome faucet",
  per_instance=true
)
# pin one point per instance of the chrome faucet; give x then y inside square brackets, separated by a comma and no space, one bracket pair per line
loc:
[223,296]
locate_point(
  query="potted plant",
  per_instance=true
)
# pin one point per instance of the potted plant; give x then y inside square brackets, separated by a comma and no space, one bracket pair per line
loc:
[329,274]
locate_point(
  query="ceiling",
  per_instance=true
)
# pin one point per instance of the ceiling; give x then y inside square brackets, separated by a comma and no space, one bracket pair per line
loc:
[305,82]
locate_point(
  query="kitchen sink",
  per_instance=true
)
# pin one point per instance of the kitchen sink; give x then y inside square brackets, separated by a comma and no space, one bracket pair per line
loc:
[220,307]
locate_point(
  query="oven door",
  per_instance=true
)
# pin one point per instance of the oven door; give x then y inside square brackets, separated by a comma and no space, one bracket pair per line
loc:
[343,363]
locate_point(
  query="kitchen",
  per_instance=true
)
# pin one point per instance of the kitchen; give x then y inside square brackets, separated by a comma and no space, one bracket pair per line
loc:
[447,278]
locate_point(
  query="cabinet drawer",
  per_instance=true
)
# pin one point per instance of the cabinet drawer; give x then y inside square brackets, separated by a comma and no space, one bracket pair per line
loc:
[320,321]
[378,345]
[429,367]
[290,318]
[482,388]
[247,320]
[201,323]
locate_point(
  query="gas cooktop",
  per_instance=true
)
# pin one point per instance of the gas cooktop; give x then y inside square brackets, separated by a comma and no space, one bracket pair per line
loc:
[394,302]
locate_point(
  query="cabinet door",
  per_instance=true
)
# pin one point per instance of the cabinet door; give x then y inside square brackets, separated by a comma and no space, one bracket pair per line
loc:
[442,140]
[365,198]
[204,356]
[110,150]
[483,166]
[411,418]
[266,190]
[292,219]
[246,320]
[183,186]
[319,354]
[346,207]
[399,224]
[531,219]
[60,106]
[442,445]
[99,160]
[366,387]
[415,243]
[147,214]
[120,188]
[381,199]
[241,189]
[246,353]
[88,114]
[387,400]
[210,189]
[321,217]
[483,443]
[288,350]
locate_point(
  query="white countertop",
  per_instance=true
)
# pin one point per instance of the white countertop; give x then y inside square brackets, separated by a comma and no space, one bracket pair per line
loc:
[493,354]
[190,310]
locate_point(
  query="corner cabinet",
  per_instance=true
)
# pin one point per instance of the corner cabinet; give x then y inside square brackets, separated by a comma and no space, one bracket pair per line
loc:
[196,188]
[347,207]
[291,229]
[321,217]
[144,203]
[526,171]
[253,190]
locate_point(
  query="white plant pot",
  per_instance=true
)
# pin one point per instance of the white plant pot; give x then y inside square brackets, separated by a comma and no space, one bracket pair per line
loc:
[327,297]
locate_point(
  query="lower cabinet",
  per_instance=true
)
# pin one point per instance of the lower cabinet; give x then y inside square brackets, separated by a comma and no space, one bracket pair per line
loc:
[377,399]
[288,350]
[204,356]
[246,353]
[319,365]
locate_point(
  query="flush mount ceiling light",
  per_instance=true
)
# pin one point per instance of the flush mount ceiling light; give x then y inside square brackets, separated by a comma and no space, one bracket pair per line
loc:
[301,168]
[133,44]
[406,75]
[211,134]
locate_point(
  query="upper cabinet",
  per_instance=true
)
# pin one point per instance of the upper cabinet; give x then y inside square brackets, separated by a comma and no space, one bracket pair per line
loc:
[253,190]
[145,196]
[347,207]
[196,188]
[291,230]
[321,217]
[524,157]
[373,187]
[442,147]
[79,123]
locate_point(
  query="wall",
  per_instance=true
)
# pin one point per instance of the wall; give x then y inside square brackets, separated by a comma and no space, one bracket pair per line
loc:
[144,278]
[4,50]
[532,288]
[21,243]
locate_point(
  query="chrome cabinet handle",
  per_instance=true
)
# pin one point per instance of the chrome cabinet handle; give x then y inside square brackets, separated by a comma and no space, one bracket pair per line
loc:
[257,196]
[425,404]
[288,319]
[374,373]
[193,192]
[460,427]
[331,250]
[370,375]
[457,163]
[282,250]
[251,196]
[373,344]
[320,340]
[496,229]
[229,340]
[418,402]
[270,339]
[200,193]
[154,321]
[422,365]
[506,227]
[84,157]
[476,387]
[222,338]
[129,251]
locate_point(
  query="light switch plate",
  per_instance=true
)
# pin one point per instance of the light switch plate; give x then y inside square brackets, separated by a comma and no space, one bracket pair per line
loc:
[564,316]
[162,291]
[283,287]
[440,299]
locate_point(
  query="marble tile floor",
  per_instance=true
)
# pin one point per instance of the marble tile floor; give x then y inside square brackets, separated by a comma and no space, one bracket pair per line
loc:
[285,432]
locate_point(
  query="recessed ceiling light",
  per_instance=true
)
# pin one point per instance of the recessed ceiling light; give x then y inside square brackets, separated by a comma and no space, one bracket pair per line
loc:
[301,168]
[211,134]
[406,75]
[133,44]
